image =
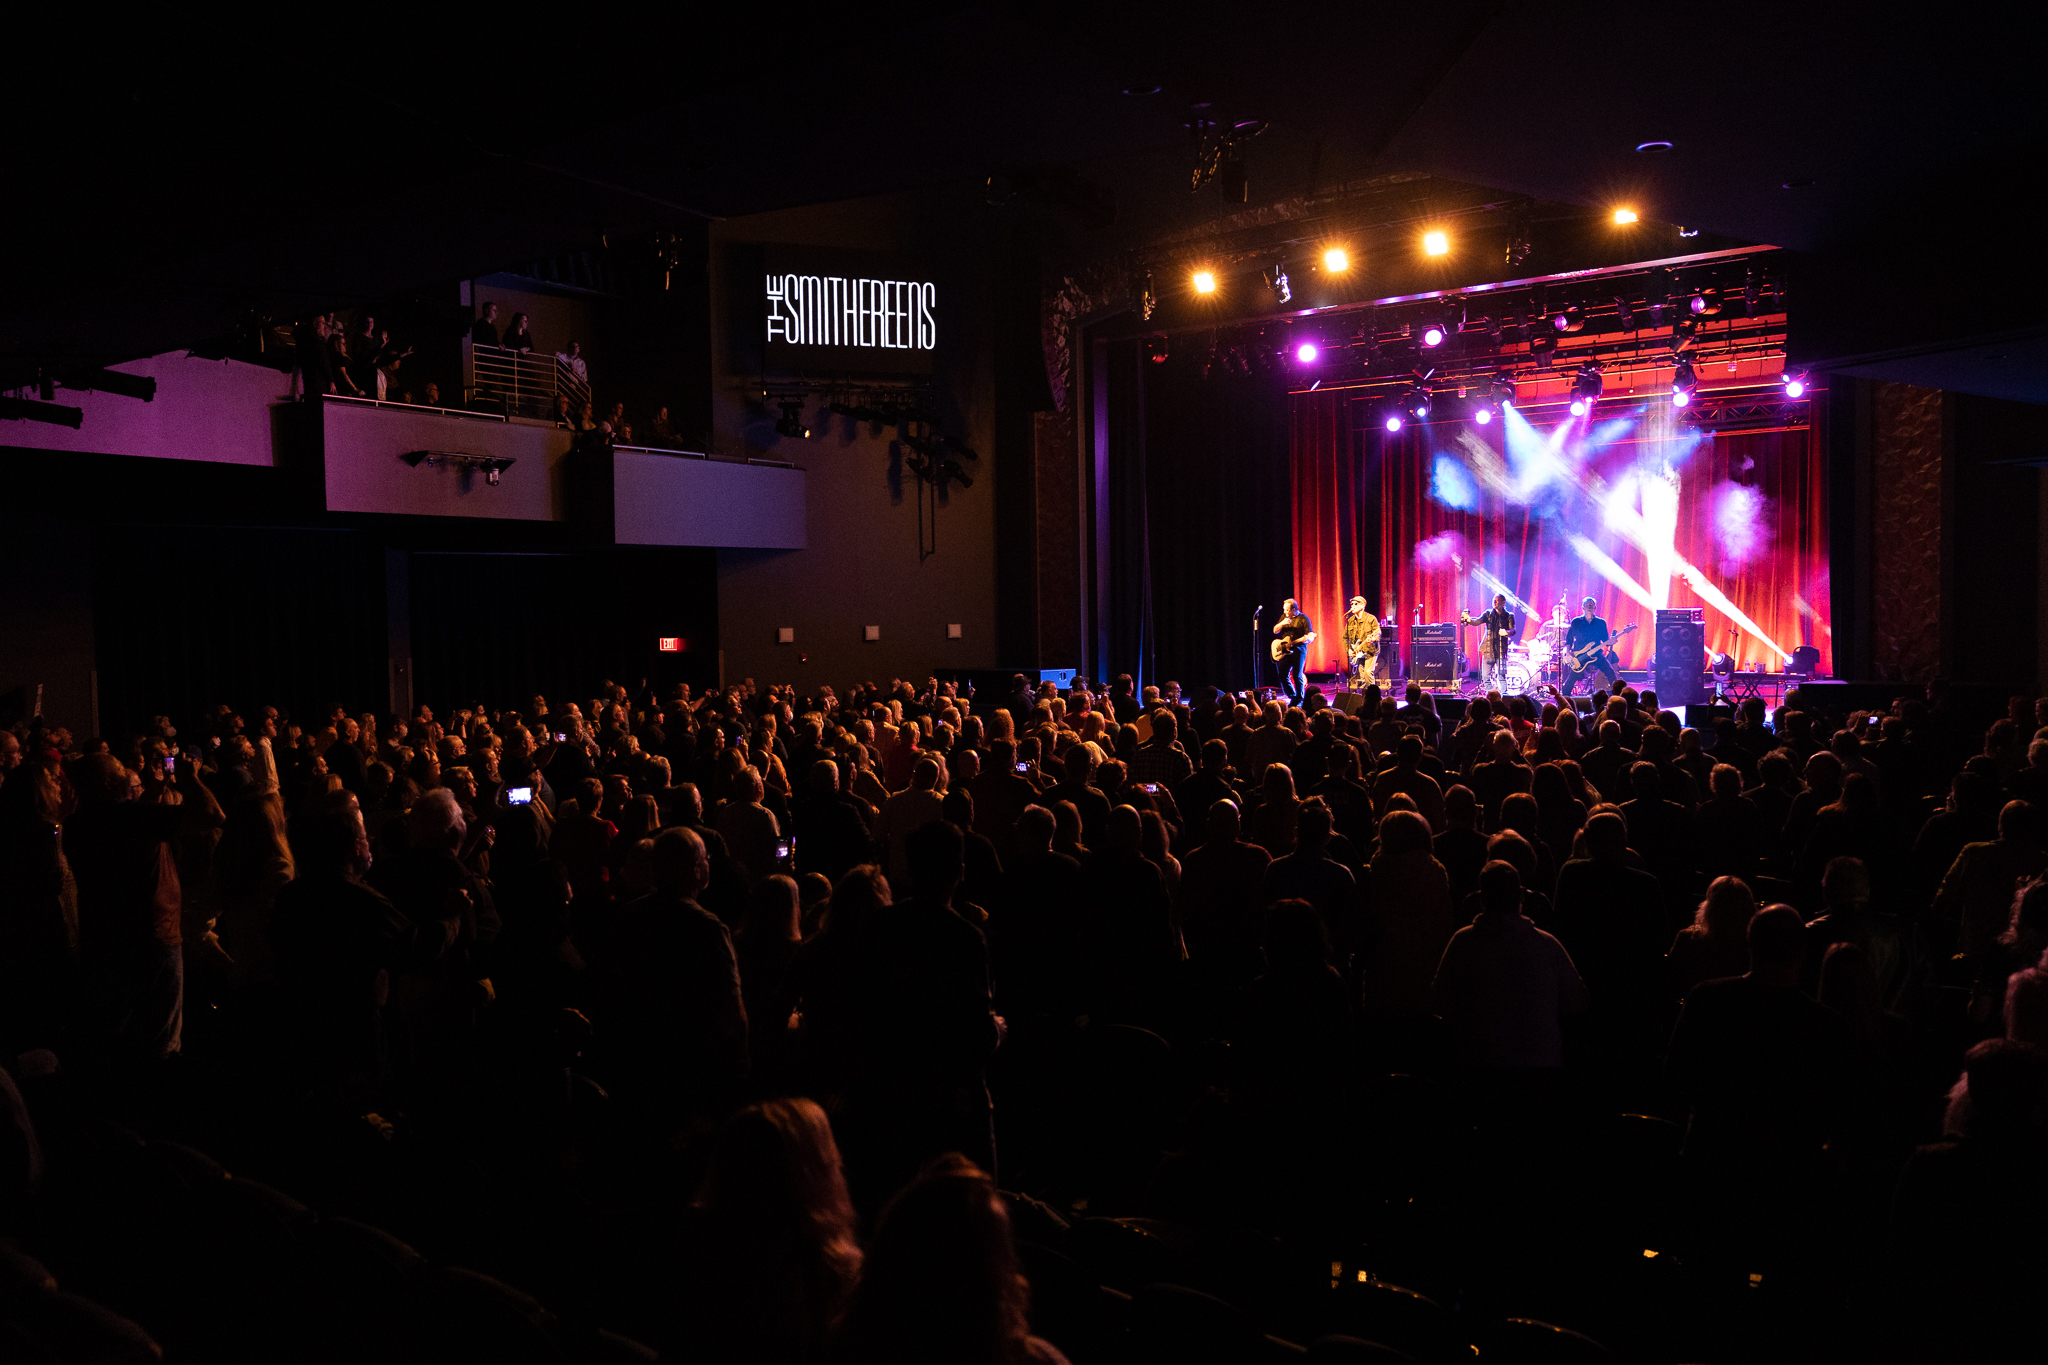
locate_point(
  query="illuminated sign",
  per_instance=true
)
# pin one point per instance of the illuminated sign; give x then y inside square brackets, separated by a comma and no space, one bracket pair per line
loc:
[670,644]
[861,314]
[819,310]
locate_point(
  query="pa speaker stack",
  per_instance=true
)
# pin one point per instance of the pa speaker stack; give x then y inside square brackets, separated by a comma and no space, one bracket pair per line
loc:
[1681,657]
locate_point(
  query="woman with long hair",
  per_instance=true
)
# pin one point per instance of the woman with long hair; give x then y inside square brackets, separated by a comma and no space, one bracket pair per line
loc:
[1716,943]
[773,1257]
[941,1285]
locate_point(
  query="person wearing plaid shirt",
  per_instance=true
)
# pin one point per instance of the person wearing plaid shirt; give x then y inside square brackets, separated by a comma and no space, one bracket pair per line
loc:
[1161,759]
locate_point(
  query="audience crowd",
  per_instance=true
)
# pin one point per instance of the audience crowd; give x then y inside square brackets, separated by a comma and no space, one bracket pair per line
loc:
[908,1025]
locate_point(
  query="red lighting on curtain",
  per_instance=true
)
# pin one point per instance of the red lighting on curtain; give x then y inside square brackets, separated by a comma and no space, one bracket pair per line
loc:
[1751,517]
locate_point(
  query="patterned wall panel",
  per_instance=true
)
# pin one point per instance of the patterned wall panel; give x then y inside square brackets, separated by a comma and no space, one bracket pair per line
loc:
[1906,510]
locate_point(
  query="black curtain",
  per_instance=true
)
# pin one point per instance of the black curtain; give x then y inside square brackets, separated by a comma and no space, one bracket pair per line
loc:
[1210,532]
[498,628]
[188,617]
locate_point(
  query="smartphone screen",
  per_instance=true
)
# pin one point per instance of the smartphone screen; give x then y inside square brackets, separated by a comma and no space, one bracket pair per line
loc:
[1149,786]
[784,848]
[170,765]
[561,738]
[1023,768]
[518,796]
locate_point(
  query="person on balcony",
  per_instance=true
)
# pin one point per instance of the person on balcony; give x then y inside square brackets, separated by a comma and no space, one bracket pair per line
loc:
[572,361]
[484,331]
[517,337]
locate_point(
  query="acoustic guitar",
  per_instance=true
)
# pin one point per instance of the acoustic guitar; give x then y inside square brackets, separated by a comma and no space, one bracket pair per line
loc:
[1577,660]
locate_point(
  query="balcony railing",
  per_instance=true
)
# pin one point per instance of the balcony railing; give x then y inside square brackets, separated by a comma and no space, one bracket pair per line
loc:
[521,383]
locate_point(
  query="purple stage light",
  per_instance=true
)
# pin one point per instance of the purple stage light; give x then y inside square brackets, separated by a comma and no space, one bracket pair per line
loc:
[1432,336]
[1679,398]
[1795,387]
[1578,407]
[1394,422]
[1483,416]
[1307,352]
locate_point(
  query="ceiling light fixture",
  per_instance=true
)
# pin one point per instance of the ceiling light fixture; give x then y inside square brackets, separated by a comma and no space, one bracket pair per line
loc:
[1684,384]
[1623,217]
[1276,280]
[1336,259]
[1586,389]
[1436,244]
[1205,281]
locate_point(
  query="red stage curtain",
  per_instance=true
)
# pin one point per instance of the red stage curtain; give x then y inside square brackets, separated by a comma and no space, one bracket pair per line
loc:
[1363,504]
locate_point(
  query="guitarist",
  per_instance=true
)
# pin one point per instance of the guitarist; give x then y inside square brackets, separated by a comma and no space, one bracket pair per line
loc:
[1589,629]
[1290,649]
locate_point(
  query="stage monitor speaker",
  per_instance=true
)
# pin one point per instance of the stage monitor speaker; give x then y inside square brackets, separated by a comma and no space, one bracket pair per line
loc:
[1681,662]
[1805,659]
[1348,702]
[1433,662]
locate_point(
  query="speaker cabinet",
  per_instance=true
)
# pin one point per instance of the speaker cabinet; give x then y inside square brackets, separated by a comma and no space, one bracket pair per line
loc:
[1433,663]
[1681,662]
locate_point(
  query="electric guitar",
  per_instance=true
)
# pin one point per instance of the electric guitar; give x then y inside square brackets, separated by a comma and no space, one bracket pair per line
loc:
[1577,659]
[1287,642]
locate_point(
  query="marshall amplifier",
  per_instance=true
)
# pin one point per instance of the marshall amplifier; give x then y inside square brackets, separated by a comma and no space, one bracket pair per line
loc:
[1433,632]
[1433,663]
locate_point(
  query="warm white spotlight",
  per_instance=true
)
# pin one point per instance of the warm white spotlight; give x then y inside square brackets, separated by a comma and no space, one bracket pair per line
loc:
[1205,282]
[1436,244]
[1623,217]
[1336,258]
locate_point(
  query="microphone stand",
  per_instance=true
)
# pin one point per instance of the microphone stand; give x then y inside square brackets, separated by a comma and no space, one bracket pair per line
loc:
[1258,641]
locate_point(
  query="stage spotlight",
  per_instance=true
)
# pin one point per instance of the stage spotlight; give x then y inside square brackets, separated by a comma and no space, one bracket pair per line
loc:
[1336,259]
[1795,386]
[1684,384]
[1416,404]
[1205,281]
[1706,303]
[1625,313]
[1571,320]
[791,423]
[1586,389]
[1306,353]
[1436,244]
[1276,280]
[1430,330]
[1393,422]
[1657,295]
[28,410]
[1502,391]
[1623,217]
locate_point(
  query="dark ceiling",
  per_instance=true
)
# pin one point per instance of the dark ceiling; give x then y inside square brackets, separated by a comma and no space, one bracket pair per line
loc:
[175,168]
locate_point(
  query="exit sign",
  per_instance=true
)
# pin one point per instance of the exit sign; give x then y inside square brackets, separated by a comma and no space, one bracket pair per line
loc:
[670,644]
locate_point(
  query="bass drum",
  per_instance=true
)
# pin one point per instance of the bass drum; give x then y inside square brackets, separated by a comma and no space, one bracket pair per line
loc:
[1516,683]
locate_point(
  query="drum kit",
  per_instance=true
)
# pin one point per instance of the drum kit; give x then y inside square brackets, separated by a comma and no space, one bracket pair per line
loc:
[1537,660]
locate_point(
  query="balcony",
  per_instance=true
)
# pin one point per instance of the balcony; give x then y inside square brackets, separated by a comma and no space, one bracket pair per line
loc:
[519,383]
[400,459]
